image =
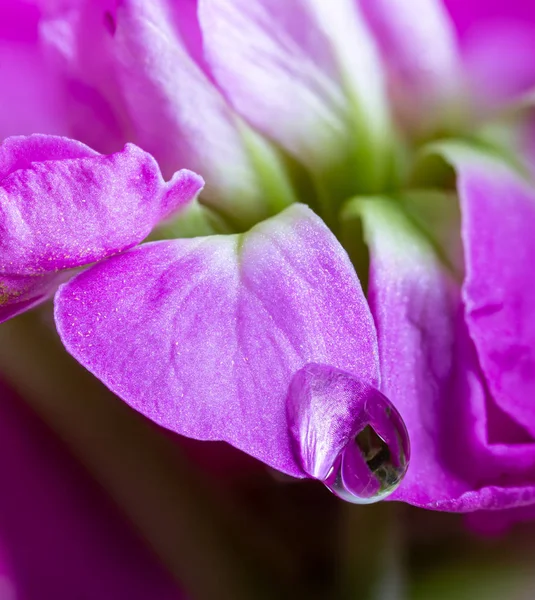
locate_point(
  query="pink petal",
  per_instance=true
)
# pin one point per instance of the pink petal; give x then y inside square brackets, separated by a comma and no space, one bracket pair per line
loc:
[499,60]
[19,20]
[177,112]
[204,335]
[499,291]
[498,41]
[419,47]
[134,56]
[412,299]
[76,37]
[30,101]
[492,456]
[296,70]
[467,14]
[60,535]
[464,457]
[62,206]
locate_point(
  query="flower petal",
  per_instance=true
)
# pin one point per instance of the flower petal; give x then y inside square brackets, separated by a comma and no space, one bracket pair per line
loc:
[496,474]
[306,65]
[30,101]
[499,61]
[419,46]
[467,14]
[498,208]
[429,368]
[59,533]
[166,93]
[204,335]
[171,105]
[498,42]
[19,293]
[62,206]
[412,299]
[76,37]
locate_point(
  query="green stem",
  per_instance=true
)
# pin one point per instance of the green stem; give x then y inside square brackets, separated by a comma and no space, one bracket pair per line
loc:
[369,566]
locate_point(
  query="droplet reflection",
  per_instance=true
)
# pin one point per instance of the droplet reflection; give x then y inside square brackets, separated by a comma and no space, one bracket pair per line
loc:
[347,433]
[368,469]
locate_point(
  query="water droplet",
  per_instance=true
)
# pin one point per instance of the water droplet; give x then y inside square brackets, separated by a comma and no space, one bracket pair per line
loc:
[368,469]
[347,433]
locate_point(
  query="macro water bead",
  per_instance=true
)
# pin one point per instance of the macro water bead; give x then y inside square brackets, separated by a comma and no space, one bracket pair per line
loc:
[369,468]
[347,434]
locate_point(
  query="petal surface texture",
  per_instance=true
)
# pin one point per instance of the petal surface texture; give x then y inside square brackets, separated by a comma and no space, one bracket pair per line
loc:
[143,59]
[419,46]
[499,291]
[466,454]
[62,205]
[203,336]
[59,532]
[178,114]
[413,306]
[309,65]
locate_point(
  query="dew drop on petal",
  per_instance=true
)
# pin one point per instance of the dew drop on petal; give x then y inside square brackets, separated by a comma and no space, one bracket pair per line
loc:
[347,434]
[367,470]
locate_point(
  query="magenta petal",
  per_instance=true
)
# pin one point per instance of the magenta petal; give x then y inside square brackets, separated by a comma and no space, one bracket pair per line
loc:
[19,293]
[467,14]
[498,209]
[204,335]
[463,457]
[412,299]
[60,535]
[177,112]
[498,42]
[30,101]
[419,48]
[62,206]
[135,57]
[20,152]
[493,474]
[76,36]
[307,64]
[19,21]
[499,61]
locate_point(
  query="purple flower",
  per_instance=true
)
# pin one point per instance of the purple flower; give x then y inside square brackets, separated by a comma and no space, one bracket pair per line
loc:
[256,329]
[65,206]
